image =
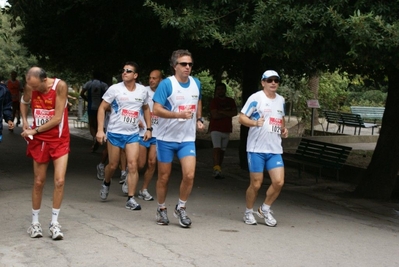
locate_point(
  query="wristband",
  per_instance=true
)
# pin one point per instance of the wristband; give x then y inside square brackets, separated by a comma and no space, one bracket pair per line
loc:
[200,119]
[37,129]
[150,129]
[23,101]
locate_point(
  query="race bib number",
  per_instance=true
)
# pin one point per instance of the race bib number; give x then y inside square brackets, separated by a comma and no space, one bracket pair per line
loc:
[154,119]
[274,125]
[129,116]
[191,108]
[43,115]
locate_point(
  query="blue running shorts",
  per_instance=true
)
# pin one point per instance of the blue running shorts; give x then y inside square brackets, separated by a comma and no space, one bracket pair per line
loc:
[167,150]
[148,143]
[258,162]
[121,140]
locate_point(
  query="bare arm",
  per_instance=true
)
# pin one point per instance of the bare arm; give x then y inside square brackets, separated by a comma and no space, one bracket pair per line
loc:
[104,106]
[24,106]
[147,118]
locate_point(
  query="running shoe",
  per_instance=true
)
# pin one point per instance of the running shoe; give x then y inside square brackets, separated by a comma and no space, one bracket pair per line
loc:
[268,216]
[104,192]
[132,204]
[100,172]
[162,216]
[145,195]
[125,188]
[218,174]
[249,218]
[123,177]
[55,231]
[181,214]
[35,230]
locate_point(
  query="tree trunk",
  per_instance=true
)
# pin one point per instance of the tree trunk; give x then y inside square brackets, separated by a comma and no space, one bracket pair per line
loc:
[379,180]
[252,74]
[314,82]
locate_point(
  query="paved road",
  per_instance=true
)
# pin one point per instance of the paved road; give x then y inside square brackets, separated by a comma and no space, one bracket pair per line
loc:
[317,226]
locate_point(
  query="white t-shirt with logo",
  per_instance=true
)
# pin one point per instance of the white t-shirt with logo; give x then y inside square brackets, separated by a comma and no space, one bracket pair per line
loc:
[125,108]
[266,139]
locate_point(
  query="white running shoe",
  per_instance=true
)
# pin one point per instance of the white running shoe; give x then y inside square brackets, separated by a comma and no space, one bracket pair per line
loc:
[145,195]
[131,204]
[249,218]
[100,171]
[55,231]
[104,192]
[35,230]
[268,216]
[125,188]
[123,177]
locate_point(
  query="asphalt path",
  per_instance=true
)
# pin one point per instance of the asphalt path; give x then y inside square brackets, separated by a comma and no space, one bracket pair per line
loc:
[317,225]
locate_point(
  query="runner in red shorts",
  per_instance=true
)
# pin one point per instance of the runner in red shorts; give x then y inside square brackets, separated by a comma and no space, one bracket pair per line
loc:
[48,139]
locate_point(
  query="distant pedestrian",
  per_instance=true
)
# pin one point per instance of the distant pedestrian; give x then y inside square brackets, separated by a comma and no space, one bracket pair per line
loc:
[5,109]
[48,139]
[178,104]
[264,114]
[223,109]
[15,88]
[92,92]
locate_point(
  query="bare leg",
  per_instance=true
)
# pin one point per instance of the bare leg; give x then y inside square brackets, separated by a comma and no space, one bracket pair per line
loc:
[113,161]
[164,170]
[39,172]
[188,171]
[277,179]
[256,179]
[60,167]
[151,165]
[132,154]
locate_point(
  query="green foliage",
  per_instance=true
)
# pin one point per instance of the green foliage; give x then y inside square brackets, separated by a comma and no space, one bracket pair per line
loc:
[371,98]
[333,90]
[13,55]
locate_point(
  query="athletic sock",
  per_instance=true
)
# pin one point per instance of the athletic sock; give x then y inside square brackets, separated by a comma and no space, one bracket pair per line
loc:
[181,204]
[35,216]
[54,215]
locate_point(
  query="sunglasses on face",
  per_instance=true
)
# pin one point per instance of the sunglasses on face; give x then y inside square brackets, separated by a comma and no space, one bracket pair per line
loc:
[184,64]
[276,80]
[127,71]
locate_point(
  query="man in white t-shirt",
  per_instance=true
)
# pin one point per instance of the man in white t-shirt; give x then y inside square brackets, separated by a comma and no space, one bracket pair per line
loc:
[264,114]
[125,100]
[147,150]
[177,103]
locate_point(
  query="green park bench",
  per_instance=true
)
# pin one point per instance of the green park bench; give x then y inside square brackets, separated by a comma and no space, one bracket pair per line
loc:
[369,113]
[347,119]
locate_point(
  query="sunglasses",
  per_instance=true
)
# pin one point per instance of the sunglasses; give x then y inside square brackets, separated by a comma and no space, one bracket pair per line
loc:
[276,80]
[127,71]
[184,64]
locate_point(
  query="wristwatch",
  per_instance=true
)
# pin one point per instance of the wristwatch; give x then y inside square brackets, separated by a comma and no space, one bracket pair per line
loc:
[150,129]
[200,119]
[37,129]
